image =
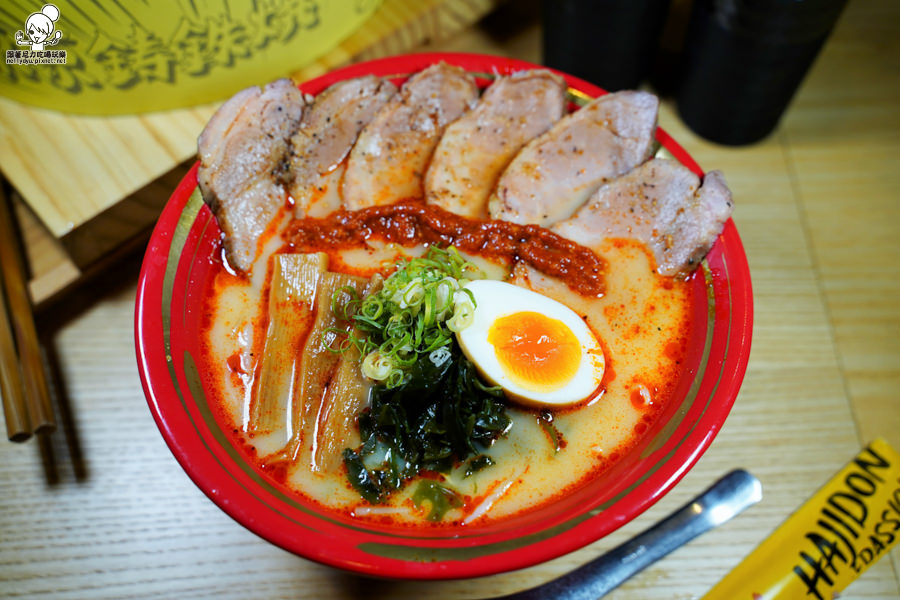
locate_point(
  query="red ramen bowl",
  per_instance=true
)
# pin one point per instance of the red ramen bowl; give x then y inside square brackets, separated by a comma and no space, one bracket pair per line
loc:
[178,267]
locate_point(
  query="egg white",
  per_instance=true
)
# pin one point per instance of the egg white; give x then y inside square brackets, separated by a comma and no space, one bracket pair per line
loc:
[496,299]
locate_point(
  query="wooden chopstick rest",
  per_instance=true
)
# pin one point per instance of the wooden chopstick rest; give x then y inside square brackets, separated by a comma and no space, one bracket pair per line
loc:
[21,319]
[18,426]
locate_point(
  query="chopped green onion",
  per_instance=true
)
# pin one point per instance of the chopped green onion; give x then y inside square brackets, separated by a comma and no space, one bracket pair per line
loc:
[344,302]
[417,311]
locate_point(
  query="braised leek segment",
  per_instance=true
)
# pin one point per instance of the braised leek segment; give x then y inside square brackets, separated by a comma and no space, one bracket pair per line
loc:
[295,280]
[347,395]
[317,361]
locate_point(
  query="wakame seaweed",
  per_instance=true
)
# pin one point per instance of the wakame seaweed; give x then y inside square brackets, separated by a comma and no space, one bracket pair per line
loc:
[439,497]
[440,417]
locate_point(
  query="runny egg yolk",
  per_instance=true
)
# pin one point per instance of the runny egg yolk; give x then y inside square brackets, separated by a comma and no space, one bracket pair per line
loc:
[535,351]
[539,351]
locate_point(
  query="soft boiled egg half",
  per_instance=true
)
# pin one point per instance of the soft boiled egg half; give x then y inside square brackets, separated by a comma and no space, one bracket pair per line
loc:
[539,351]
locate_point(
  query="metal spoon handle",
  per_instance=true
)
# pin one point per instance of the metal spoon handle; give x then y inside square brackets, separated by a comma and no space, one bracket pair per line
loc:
[726,498]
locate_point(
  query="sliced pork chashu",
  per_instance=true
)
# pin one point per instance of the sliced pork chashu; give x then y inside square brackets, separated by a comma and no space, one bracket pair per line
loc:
[661,203]
[556,172]
[326,134]
[243,151]
[389,159]
[477,147]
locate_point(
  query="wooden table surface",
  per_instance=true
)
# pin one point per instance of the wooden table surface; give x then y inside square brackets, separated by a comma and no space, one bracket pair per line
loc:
[101,509]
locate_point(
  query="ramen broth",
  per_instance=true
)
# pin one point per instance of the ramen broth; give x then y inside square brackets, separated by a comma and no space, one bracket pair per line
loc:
[642,321]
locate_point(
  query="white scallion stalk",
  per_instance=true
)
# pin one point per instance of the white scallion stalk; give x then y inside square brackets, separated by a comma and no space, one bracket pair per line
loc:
[444,291]
[440,356]
[411,296]
[463,312]
[377,366]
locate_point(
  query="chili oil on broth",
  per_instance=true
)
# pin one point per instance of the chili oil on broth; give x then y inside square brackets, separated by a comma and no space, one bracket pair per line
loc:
[642,321]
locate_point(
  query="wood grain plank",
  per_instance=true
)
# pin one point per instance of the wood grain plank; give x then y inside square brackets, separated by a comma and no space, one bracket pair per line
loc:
[73,169]
[843,134]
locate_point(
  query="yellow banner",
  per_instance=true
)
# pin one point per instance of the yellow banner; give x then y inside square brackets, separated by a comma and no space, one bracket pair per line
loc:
[831,540]
[108,57]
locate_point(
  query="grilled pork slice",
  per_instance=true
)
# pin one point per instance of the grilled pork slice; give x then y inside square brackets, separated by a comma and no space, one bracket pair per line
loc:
[662,204]
[477,147]
[388,161]
[327,132]
[243,150]
[556,172]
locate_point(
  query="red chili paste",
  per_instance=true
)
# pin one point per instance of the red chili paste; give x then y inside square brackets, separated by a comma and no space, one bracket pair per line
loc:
[410,223]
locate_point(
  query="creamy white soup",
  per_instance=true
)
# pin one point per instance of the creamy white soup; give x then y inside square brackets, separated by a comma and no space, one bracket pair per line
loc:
[640,318]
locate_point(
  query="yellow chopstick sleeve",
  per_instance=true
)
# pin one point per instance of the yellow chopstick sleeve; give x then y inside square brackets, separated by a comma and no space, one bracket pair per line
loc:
[831,540]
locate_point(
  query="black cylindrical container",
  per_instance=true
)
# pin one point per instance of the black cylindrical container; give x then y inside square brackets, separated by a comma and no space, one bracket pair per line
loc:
[611,43]
[743,61]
